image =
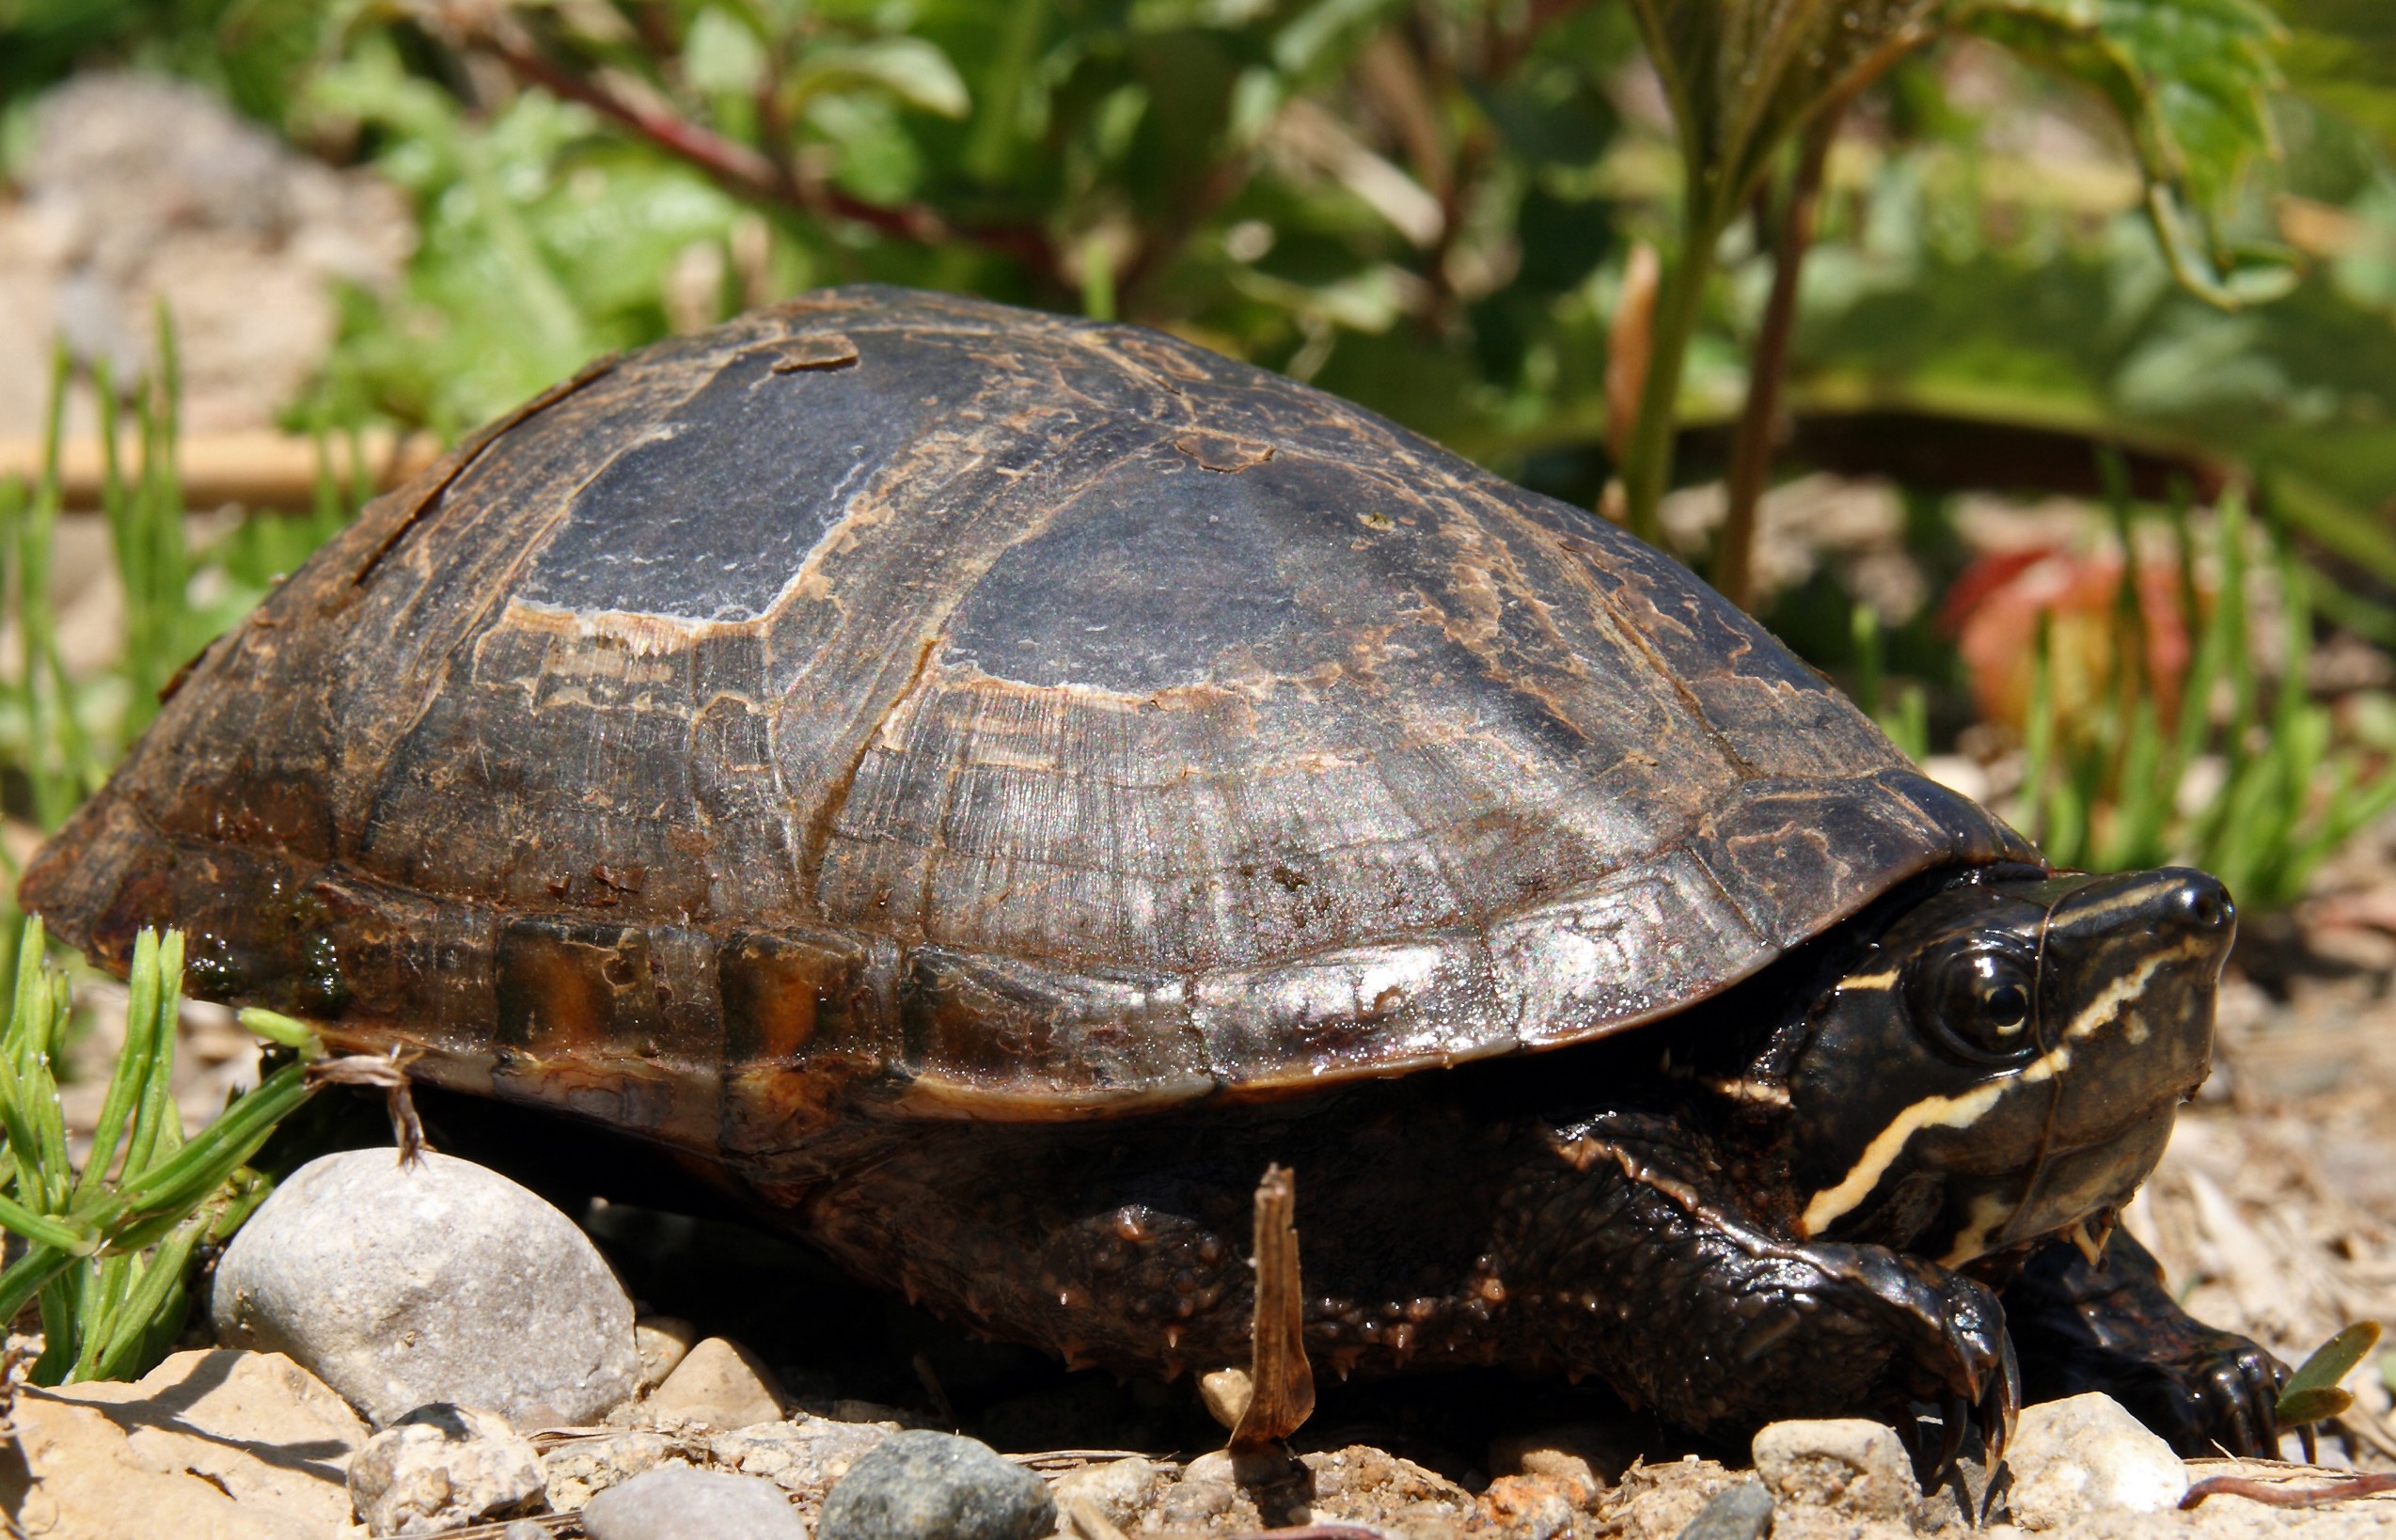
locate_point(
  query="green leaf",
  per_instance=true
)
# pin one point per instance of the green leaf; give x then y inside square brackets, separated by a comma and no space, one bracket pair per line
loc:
[910,69]
[2189,81]
[719,54]
[2311,1392]
[2299,1407]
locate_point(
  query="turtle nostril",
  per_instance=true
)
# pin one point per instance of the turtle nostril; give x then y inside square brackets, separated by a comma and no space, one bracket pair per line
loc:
[2207,902]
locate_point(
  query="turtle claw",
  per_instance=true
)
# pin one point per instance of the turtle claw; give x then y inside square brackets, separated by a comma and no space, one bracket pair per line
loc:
[1952,1414]
[2000,1404]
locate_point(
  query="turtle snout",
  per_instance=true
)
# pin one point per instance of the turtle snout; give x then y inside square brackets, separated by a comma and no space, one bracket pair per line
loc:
[2199,905]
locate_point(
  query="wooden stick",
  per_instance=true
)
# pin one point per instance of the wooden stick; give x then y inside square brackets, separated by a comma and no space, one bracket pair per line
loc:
[1285,1385]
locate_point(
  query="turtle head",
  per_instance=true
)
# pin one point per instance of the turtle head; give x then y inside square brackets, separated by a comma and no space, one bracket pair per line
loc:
[2006,1060]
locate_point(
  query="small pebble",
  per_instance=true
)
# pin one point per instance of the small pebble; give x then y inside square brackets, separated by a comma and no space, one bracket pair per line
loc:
[1226,1393]
[1847,1463]
[440,1466]
[720,1384]
[442,1281]
[1576,1452]
[1736,1513]
[523,1529]
[678,1503]
[1119,1491]
[661,1341]
[2085,1454]
[1528,1507]
[920,1485]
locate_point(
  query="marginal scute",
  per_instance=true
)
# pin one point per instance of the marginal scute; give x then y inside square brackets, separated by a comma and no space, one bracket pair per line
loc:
[567,987]
[788,998]
[1007,717]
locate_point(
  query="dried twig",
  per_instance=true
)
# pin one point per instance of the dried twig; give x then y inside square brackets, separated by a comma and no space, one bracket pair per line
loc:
[2287,1497]
[1285,1385]
[389,1072]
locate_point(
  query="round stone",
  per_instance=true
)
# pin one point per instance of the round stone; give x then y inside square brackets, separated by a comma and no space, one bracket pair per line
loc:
[918,1485]
[678,1501]
[399,1285]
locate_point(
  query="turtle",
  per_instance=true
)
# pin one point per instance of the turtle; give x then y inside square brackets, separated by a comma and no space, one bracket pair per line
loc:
[984,785]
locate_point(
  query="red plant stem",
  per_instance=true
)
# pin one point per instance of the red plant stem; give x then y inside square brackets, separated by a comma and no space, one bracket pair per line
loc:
[2286,1497]
[749,173]
[1751,451]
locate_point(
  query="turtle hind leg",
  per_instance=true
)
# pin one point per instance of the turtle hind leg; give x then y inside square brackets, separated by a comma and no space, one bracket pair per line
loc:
[2112,1325]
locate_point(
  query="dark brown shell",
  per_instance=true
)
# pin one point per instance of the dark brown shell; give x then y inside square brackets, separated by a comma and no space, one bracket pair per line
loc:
[898,701]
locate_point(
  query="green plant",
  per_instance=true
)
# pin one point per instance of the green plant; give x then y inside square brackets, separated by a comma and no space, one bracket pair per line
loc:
[1907,720]
[2103,791]
[2312,1394]
[61,733]
[2186,79]
[110,1246]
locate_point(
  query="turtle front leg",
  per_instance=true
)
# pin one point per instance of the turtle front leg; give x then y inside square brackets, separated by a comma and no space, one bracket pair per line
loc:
[2112,1325]
[1653,1278]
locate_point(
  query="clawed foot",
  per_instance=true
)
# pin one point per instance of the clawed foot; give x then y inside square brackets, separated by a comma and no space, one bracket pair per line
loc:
[2113,1326]
[1959,1355]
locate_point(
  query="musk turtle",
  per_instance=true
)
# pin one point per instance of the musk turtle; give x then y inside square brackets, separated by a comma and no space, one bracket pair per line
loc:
[987,784]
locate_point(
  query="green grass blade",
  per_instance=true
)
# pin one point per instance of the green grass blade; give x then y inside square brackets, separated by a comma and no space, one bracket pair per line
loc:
[156,1108]
[288,1031]
[196,1170]
[135,1065]
[31,1275]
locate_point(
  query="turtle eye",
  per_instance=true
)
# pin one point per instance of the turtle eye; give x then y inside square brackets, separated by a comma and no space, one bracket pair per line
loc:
[1980,1002]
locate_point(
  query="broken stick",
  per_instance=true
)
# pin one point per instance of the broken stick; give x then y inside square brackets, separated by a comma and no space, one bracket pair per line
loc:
[1284,1393]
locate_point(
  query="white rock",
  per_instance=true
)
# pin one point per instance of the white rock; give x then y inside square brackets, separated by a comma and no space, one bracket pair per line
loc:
[437,1282]
[440,1466]
[1845,1462]
[2085,1454]
[1119,1491]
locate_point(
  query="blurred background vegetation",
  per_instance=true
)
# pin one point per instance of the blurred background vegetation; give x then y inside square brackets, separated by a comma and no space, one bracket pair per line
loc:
[2029,365]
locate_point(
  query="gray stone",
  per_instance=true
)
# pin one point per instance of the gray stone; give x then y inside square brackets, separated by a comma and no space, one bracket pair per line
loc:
[1736,1513]
[439,1282]
[523,1529]
[2084,1455]
[440,1466]
[1847,1462]
[918,1485]
[676,1503]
